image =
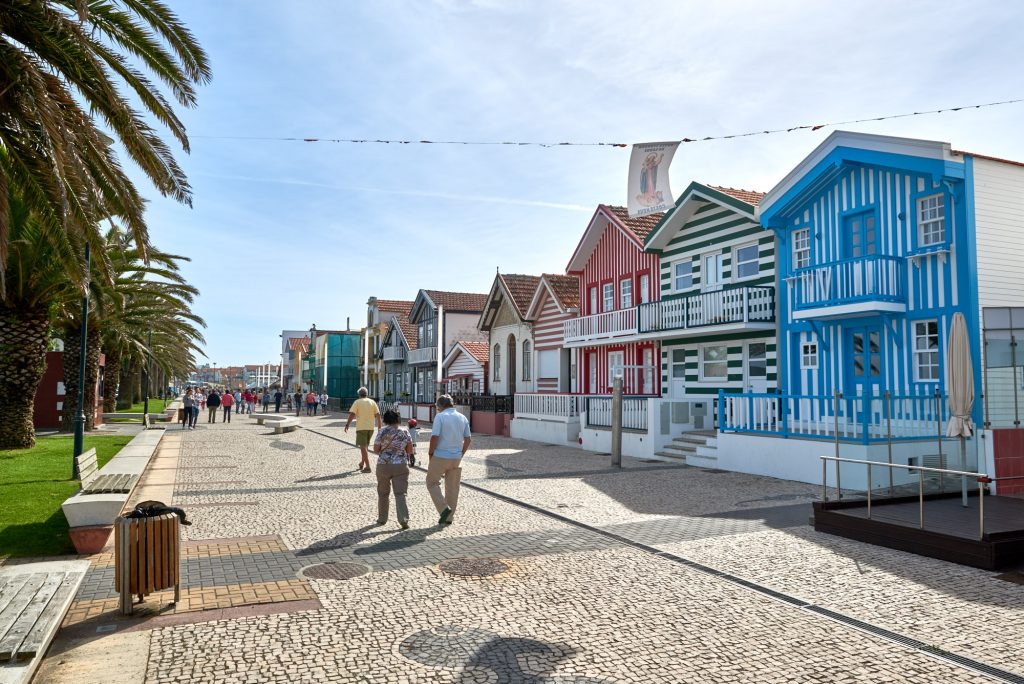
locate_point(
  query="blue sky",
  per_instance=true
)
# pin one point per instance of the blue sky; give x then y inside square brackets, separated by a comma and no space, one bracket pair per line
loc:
[286,234]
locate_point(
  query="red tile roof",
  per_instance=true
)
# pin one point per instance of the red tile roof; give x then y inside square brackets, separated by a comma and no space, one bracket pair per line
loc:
[479,350]
[398,306]
[461,302]
[640,225]
[751,197]
[521,288]
[566,289]
[409,330]
[298,343]
[990,158]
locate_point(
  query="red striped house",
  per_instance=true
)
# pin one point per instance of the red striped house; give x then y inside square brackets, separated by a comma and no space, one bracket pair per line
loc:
[556,300]
[615,275]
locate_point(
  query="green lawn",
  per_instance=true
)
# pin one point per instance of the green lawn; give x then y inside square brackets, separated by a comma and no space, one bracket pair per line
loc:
[33,484]
[155,406]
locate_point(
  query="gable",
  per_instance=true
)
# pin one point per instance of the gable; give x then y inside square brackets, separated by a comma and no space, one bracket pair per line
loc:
[506,315]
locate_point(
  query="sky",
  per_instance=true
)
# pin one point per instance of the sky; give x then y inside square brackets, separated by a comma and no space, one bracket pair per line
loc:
[283,235]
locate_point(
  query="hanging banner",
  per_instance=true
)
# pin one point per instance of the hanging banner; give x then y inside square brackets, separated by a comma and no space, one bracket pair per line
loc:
[648,188]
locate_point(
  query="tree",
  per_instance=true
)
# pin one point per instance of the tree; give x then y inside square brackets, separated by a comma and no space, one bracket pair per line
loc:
[62,62]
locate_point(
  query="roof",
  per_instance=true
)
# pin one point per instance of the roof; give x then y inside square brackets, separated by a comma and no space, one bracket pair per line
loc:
[408,331]
[566,289]
[989,157]
[751,197]
[520,289]
[637,229]
[462,302]
[478,350]
[640,225]
[298,343]
[399,306]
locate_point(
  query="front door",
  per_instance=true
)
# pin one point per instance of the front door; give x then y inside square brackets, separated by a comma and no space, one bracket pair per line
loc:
[864,361]
[677,374]
[511,364]
[592,372]
[756,371]
[713,272]
[648,371]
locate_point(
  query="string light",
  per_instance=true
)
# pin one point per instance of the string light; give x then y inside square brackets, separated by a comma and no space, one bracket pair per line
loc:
[791,129]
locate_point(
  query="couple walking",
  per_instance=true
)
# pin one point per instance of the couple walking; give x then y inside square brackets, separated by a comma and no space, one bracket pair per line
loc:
[449,441]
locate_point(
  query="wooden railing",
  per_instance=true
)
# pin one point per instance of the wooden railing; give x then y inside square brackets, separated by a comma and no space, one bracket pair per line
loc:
[743,304]
[602,325]
[868,278]
[552,405]
[423,355]
[634,412]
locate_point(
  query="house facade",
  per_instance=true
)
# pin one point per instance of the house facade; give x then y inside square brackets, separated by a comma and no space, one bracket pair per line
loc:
[465,369]
[398,342]
[882,241]
[510,334]
[615,276]
[715,319]
[378,318]
[440,319]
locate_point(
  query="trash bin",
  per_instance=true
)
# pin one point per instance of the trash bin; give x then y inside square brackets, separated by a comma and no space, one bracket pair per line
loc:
[147,555]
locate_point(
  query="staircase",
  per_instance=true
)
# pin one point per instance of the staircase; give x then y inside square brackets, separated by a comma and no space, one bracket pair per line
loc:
[695,448]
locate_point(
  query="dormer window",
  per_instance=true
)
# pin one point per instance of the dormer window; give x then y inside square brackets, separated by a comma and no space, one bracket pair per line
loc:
[931,220]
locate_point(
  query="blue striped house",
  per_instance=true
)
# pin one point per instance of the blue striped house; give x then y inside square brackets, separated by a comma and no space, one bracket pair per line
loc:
[876,252]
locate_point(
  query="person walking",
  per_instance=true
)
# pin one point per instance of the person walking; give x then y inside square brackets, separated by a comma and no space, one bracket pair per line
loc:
[202,399]
[449,442]
[366,414]
[195,413]
[297,398]
[323,403]
[393,448]
[212,403]
[227,400]
[266,400]
[277,400]
[238,401]
[187,402]
[310,403]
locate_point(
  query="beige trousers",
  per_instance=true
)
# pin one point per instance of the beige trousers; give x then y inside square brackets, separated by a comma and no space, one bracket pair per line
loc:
[451,470]
[392,477]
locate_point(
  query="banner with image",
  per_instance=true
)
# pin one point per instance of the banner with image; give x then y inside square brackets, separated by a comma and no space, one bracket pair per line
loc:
[648,187]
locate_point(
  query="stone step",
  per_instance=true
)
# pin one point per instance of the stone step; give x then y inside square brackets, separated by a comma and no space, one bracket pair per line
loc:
[690,438]
[672,456]
[682,448]
[702,461]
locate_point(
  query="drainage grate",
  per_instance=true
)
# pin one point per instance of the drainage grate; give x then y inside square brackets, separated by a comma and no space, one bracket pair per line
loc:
[334,571]
[473,567]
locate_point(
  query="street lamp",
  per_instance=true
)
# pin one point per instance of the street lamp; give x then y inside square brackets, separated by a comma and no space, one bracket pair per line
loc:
[79,441]
[149,370]
[311,356]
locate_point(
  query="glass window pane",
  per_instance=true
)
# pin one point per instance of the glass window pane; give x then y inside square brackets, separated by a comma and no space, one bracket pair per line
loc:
[858,343]
[997,317]
[858,366]
[678,355]
[873,341]
[678,370]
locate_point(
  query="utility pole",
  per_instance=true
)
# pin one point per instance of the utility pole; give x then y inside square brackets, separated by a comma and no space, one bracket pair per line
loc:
[617,421]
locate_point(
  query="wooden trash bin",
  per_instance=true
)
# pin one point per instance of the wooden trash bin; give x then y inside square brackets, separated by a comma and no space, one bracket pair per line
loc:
[147,555]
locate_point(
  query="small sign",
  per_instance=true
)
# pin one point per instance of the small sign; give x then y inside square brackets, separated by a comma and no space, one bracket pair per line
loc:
[648,187]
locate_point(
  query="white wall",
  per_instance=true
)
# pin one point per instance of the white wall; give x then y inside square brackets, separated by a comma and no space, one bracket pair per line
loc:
[999,220]
[499,335]
[459,326]
[563,432]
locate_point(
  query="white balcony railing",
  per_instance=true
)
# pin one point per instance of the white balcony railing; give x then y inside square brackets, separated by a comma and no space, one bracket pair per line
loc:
[739,305]
[548,405]
[423,355]
[394,353]
[601,326]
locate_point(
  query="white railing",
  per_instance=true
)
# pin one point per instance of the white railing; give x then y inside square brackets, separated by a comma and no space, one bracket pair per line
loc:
[874,277]
[750,303]
[603,325]
[634,412]
[394,353]
[423,355]
[548,405]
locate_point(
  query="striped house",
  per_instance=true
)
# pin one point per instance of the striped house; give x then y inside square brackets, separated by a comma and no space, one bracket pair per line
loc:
[615,275]
[465,368]
[555,301]
[398,342]
[715,319]
[510,333]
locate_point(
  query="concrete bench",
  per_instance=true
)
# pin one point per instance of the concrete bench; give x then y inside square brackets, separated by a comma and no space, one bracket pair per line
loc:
[286,425]
[272,417]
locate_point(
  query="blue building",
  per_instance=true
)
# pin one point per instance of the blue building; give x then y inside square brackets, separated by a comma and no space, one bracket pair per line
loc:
[881,241]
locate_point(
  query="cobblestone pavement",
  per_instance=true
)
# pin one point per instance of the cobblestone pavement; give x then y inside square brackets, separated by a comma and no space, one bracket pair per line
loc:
[575,605]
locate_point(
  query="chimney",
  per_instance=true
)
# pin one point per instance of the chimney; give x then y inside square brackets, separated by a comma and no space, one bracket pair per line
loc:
[348,323]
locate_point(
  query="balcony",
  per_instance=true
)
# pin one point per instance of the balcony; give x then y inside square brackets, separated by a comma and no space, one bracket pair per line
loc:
[860,285]
[602,326]
[423,355]
[393,353]
[748,306]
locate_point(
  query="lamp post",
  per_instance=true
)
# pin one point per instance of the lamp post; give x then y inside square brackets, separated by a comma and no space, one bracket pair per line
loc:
[79,441]
[149,371]
[311,357]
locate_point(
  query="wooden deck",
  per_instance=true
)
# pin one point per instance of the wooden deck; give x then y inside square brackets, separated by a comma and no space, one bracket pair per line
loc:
[951,531]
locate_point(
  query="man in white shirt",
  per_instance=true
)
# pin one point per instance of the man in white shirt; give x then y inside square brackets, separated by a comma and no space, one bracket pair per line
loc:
[449,442]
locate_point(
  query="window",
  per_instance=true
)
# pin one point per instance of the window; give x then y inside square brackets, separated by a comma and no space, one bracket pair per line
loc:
[526,360]
[746,263]
[926,351]
[931,220]
[645,288]
[408,381]
[714,271]
[714,362]
[626,294]
[809,356]
[608,296]
[616,366]
[593,300]
[682,275]
[860,235]
[678,364]
[757,361]
[429,341]
[496,362]
[801,248]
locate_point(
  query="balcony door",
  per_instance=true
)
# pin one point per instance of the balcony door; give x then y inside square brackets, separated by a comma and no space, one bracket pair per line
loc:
[860,236]
[864,361]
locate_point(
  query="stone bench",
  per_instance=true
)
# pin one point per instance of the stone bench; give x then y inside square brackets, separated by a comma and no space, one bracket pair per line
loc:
[96,482]
[272,417]
[286,425]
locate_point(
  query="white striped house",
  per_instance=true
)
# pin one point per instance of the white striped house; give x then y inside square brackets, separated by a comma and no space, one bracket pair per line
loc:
[555,301]
[465,368]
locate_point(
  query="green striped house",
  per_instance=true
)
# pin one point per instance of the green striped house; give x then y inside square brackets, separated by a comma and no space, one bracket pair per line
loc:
[716,317]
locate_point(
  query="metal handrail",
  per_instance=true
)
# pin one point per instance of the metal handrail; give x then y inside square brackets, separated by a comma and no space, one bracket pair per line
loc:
[982,479]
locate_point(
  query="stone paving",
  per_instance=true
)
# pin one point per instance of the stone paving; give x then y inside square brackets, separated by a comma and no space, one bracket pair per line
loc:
[575,605]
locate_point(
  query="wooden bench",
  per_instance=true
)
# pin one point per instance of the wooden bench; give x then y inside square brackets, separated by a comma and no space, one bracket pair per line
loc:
[108,483]
[32,605]
[286,425]
[272,417]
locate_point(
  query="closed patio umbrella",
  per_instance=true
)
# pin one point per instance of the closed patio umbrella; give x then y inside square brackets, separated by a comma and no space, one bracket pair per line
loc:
[960,389]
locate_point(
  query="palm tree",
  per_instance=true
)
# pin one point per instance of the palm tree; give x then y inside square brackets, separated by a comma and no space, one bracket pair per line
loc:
[62,62]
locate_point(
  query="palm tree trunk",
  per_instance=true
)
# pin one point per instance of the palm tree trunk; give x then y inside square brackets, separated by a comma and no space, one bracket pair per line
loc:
[72,342]
[124,395]
[111,380]
[92,373]
[23,338]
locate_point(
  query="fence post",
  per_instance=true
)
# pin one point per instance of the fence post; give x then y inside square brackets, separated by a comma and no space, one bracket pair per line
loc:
[746,304]
[617,421]
[866,400]
[888,433]
[721,409]
[835,422]
[784,415]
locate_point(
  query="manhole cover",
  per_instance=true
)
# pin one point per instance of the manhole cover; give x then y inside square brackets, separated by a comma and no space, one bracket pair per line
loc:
[335,571]
[473,567]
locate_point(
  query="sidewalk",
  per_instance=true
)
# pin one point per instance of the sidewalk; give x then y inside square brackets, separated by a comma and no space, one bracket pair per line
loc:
[576,599]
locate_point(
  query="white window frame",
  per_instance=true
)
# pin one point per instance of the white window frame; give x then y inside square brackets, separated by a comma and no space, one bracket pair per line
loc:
[673,364]
[705,284]
[919,352]
[593,299]
[621,357]
[675,276]
[626,293]
[701,376]
[801,242]
[496,362]
[607,297]
[645,288]
[927,225]
[736,261]
[808,356]
[527,357]
[746,361]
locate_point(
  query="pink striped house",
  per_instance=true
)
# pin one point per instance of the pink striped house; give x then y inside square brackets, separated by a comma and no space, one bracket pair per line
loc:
[555,301]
